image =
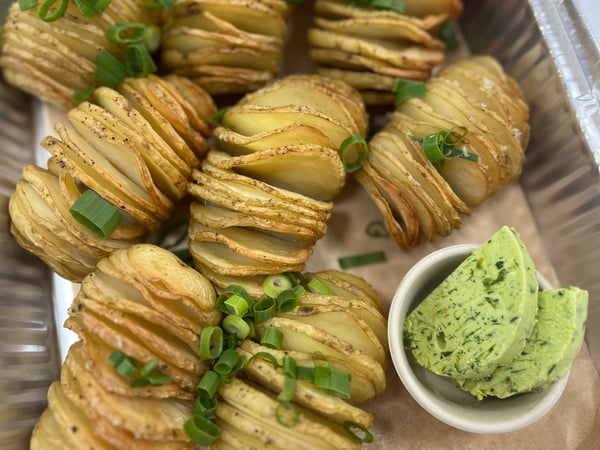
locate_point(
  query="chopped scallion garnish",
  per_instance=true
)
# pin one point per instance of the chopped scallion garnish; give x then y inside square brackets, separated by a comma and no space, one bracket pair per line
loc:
[289,389]
[350,427]
[215,119]
[448,36]
[211,342]
[272,338]
[236,325]
[49,13]
[149,374]
[441,146]
[359,149]
[363,259]
[376,229]
[154,4]
[229,363]
[267,357]
[208,384]
[286,300]
[288,366]
[317,286]
[264,309]
[205,406]
[275,284]
[405,89]
[90,8]
[96,214]
[201,430]
[110,71]
[287,414]
[332,381]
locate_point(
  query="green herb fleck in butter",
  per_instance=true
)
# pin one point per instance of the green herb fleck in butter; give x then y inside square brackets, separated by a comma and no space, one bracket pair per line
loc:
[550,350]
[479,317]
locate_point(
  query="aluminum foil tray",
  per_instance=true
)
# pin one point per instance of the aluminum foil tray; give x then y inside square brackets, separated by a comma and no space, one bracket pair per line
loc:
[545,44]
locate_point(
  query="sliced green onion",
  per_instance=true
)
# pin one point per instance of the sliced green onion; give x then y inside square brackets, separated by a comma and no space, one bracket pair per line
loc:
[264,309]
[376,229]
[276,284]
[391,5]
[46,15]
[184,254]
[288,366]
[90,8]
[236,305]
[24,5]
[267,357]
[272,338]
[154,4]
[439,147]
[350,427]
[215,119]
[251,327]
[355,162]
[126,33]
[229,362]
[138,60]
[201,430]
[205,406]
[332,381]
[148,375]
[405,89]
[236,325]
[152,38]
[289,389]
[317,286]
[110,71]
[208,384]
[124,365]
[231,340]
[234,289]
[149,367]
[448,36]
[286,300]
[211,342]
[82,96]
[289,410]
[364,259]
[305,373]
[96,214]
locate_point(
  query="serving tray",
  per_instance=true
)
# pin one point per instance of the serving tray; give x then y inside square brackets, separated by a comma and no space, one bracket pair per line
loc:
[555,207]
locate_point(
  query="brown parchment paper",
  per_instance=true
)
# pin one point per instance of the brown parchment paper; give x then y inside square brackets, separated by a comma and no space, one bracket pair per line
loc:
[400,423]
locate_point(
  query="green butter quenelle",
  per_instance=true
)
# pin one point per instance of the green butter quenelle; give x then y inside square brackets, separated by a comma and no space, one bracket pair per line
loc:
[550,350]
[481,315]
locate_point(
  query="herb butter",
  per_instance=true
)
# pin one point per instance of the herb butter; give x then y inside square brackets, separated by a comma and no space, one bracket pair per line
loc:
[480,316]
[550,350]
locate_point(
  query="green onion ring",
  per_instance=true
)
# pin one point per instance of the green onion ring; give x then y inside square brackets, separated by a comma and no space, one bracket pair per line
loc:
[358,161]
[201,430]
[211,342]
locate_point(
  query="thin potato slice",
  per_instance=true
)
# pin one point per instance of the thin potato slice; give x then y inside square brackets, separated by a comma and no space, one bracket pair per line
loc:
[253,244]
[404,229]
[222,260]
[310,170]
[215,217]
[397,28]
[252,119]
[237,144]
[394,53]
